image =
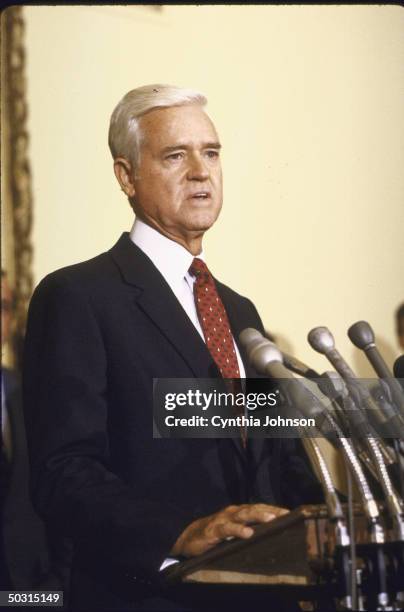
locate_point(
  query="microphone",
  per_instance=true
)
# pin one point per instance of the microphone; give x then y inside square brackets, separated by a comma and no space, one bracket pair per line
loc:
[398,369]
[267,359]
[322,341]
[361,335]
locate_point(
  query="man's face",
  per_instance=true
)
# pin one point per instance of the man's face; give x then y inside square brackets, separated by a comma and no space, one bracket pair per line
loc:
[178,181]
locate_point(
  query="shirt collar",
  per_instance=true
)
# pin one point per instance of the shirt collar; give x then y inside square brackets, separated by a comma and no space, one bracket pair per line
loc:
[170,258]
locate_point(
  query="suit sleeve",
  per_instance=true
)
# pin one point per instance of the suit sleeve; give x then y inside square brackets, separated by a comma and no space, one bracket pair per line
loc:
[73,488]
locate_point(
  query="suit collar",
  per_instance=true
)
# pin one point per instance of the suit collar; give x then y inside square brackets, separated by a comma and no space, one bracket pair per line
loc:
[133,264]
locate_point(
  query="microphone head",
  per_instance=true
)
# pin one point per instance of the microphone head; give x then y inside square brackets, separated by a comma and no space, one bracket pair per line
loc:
[250,338]
[260,351]
[264,353]
[249,334]
[321,340]
[361,334]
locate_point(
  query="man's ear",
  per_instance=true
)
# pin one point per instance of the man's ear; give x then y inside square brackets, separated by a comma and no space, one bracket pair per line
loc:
[124,174]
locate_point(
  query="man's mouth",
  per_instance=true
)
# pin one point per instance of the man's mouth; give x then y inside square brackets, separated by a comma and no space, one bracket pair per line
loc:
[200,195]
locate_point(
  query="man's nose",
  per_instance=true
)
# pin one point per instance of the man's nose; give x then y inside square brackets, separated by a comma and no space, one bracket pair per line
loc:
[197,169]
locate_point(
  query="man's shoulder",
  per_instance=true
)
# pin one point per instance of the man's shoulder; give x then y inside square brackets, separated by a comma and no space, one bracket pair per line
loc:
[80,274]
[88,277]
[123,261]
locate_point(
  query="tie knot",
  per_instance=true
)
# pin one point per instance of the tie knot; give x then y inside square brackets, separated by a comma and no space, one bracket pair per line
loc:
[198,267]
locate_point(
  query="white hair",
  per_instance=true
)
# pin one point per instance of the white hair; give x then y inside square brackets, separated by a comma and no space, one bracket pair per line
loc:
[124,131]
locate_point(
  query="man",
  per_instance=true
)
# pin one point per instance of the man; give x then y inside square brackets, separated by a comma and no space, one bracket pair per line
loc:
[100,331]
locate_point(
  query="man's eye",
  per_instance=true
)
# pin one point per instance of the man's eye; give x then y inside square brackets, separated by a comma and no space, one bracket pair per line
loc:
[175,156]
[212,153]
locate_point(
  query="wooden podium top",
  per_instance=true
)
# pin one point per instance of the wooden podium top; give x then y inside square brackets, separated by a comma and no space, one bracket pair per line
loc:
[291,549]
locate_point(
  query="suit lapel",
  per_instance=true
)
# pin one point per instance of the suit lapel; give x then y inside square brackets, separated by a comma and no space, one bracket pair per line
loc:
[162,307]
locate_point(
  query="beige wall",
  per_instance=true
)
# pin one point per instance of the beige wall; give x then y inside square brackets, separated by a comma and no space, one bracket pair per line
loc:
[308,101]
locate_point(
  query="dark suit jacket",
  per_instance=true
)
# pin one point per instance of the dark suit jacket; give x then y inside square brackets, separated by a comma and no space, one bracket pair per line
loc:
[98,332]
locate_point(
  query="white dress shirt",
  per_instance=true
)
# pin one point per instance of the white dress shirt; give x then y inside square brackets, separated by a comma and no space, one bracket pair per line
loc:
[173,261]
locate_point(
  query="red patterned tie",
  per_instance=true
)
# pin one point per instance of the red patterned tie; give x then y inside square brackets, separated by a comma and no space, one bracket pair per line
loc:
[213,319]
[216,329]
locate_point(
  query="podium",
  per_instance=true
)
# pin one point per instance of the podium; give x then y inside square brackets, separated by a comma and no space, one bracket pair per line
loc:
[294,558]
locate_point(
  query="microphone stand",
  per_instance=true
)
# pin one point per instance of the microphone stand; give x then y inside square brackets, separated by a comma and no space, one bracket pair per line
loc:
[351,523]
[266,358]
[347,588]
[375,587]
